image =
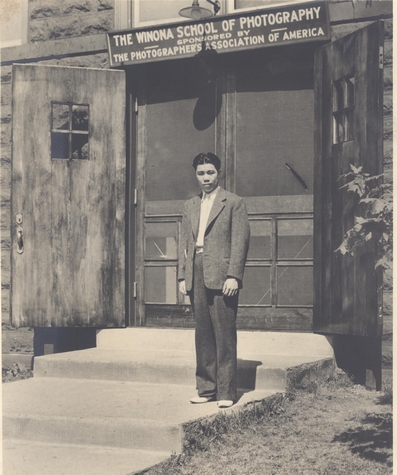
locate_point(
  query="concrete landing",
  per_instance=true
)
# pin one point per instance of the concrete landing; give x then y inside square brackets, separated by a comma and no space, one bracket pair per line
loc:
[248,342]
[119,408]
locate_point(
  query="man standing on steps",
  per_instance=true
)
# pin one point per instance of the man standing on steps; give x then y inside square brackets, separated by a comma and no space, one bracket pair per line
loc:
[213,251]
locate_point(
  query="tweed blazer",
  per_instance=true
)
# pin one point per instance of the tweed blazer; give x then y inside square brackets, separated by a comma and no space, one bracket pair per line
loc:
[226,240]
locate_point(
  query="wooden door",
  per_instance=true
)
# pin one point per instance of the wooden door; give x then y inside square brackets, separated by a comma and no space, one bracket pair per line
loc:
[348,121]
[68,193]
[272,137]
[179,110]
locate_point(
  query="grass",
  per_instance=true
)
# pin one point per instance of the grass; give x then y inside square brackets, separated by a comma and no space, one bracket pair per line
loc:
[335,428]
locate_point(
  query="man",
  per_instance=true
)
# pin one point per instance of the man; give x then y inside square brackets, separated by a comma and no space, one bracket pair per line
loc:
[215,239]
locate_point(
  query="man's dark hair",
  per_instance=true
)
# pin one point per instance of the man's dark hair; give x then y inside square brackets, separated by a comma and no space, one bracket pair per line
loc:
[203,158]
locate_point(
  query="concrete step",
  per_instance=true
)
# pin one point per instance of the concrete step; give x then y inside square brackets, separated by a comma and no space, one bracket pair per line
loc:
[106,413]
[248,342]
[168,356]
[258,371]
[23,457]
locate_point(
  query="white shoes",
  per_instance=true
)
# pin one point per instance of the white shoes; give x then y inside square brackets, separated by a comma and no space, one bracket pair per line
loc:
[200,400]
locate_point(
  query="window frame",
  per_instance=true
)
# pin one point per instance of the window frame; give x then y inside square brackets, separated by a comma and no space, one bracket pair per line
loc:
[343,110]
[24,25]
[70,131]
[230,8]
[150,262]
[127,14]
[274,262]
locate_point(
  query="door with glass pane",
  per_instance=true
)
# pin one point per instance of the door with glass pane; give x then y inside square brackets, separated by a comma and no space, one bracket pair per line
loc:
[272,161]
[177,119]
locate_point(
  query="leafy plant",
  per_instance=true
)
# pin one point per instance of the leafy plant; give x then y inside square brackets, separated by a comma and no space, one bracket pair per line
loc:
[375,220]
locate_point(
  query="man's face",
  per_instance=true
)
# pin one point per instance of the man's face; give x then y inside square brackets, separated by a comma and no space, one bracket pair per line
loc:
[208,177]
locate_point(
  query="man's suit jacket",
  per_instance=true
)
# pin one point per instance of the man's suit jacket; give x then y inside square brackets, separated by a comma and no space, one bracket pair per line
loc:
[226,240]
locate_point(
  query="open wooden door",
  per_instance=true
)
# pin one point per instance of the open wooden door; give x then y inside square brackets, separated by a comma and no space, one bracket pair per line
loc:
[68,197]
[348,118]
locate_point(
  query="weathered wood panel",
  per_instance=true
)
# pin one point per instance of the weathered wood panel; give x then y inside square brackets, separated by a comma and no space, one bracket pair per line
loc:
[72,270]
[346,287]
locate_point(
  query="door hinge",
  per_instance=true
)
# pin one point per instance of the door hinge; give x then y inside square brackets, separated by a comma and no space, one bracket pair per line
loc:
[135,196]
[136,105]
[135,287]
[381,58]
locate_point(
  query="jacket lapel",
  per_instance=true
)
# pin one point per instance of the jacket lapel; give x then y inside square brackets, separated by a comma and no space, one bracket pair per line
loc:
[195,215]
[217,207]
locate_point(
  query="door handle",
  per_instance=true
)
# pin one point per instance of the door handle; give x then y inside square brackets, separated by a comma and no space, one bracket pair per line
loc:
[18,219]
[19,240]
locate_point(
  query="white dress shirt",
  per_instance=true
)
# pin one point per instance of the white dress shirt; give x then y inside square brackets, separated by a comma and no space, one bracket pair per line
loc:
[207,201]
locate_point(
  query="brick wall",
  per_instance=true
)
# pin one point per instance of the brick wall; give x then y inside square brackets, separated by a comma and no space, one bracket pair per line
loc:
[54,19]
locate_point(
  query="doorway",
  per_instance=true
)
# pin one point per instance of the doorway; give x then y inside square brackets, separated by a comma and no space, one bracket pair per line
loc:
[255,110]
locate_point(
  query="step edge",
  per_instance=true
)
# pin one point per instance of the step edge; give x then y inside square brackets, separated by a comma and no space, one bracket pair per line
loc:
[94,446]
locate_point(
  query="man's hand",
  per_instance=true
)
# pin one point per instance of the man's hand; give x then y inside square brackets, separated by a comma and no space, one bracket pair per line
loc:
[230,287]
[182,287]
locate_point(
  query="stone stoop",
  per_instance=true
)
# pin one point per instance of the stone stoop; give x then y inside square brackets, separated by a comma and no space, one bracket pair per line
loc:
[119,408]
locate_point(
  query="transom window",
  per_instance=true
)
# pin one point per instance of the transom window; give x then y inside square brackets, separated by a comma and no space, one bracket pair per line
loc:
[69,131]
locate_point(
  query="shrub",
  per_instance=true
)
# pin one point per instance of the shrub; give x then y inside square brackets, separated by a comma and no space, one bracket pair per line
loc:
[375,220]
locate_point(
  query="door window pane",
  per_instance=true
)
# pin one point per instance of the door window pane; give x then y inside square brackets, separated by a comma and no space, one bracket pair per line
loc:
[256,286]
[59,145]
[160,285]
[80,146]
[295,239]
[343,109]
[181,114]
[69,131]
[80,118]
[274,126]
[295,285]
[260,246]
[60,116]
[158,11]
[161,241]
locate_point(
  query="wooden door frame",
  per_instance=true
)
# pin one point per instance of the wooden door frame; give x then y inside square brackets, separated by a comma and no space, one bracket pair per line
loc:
[130,248]
[135,193]
[225,138]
